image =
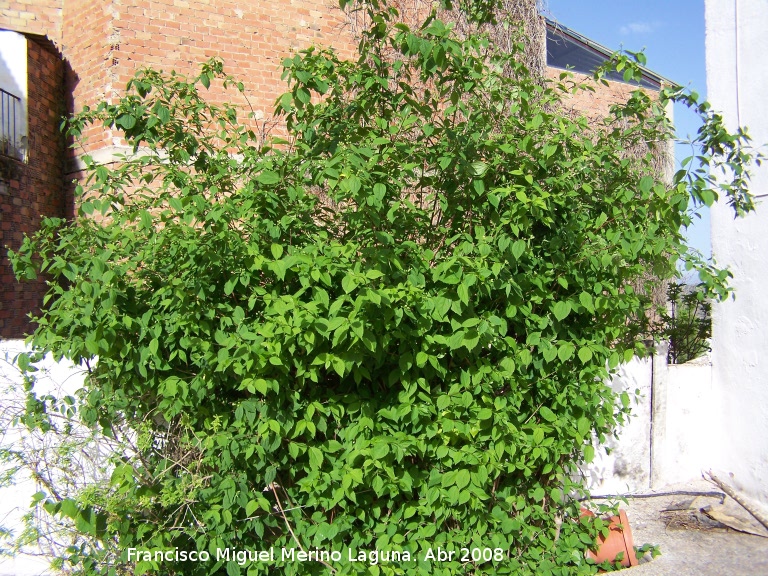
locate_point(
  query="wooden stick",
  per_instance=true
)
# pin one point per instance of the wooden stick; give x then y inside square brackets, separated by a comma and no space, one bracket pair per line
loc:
[758,515]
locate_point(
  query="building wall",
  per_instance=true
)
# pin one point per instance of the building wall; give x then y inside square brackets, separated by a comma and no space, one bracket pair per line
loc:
[687,427]
[623,463]
[593,104]
[42,17]
[87,53]
[737,83]
[251,38]
[36,188]
[669,436]
[104,42]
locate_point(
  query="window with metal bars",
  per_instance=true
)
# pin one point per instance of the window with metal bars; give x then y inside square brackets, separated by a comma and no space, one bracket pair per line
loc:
[10,127]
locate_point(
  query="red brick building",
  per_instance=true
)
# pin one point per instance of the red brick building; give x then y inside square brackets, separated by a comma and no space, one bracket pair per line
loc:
[31,170]
[80,52]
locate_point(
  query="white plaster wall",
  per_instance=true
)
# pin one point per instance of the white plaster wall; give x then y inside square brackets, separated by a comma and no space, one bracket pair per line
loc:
[689,436]
[13,73]
[737,85]
[59,379]
[623,464]
[670,437]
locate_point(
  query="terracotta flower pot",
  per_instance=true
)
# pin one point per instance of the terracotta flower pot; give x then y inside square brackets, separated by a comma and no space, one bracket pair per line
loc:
[619,540]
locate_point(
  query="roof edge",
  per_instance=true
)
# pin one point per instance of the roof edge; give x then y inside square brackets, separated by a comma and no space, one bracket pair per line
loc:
[597,47]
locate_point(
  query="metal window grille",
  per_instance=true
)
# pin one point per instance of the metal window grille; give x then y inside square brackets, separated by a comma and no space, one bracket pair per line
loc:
[10,106]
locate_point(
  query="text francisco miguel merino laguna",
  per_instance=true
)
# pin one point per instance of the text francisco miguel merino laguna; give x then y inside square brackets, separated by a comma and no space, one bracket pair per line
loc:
[371,557]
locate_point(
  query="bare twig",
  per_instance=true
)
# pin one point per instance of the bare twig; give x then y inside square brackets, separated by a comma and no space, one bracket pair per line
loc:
[288,525]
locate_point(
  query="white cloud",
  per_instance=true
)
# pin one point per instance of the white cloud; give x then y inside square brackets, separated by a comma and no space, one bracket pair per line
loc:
[638,28]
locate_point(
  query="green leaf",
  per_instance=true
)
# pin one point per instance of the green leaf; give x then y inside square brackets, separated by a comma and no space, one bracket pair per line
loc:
[348,283]
[645,184]
[303,95]
[268,178]
[315,458]
[277,251]
[479,168]
[470,339]
[463,293]
[146,220]
[565,351]
[462,478]
[508,365]
[260,385]
[624,399]
[586,300]
[561,309]
[170,387]
[338,366]
[354,184]
[456,340]
[585,355]
[550,353]
[380,449]
[162,113]
[518,248]
[126,121]
[484,414]
[547,414]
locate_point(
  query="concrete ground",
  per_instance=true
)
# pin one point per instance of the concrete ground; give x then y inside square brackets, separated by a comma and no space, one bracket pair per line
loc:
[691,543]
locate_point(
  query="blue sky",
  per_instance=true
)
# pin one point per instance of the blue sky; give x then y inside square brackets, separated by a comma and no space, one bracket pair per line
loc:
[672,34]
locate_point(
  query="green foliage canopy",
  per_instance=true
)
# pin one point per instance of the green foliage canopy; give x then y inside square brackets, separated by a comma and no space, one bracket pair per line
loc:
[389,331]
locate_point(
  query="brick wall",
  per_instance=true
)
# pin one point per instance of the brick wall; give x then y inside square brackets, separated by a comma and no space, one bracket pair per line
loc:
[41,17]
[37,188]
[593,104]
[87,37]
[252,38]
[106,41]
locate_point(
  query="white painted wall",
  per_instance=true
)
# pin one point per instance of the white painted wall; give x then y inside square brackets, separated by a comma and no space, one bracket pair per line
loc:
[669,438]
[737,85]
[688,433]
[623,464]
[13,75]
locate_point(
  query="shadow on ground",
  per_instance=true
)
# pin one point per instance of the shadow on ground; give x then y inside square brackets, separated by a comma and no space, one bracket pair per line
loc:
[691,536]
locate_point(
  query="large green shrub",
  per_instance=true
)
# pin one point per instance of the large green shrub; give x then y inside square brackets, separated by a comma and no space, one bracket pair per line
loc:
[389,332]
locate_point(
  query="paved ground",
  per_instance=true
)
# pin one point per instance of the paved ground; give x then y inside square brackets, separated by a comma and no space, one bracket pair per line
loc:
[689,541]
